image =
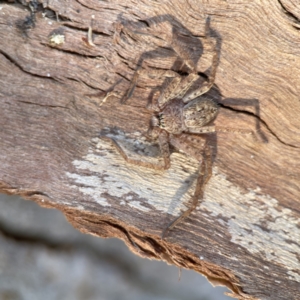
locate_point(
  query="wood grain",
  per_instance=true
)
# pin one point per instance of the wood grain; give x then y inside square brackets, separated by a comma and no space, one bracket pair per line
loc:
[245,233]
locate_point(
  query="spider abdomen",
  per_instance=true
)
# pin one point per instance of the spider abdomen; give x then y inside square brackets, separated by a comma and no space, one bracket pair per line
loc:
[199,112]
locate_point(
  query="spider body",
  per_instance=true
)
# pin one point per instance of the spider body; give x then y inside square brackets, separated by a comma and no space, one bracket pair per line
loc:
[178,117]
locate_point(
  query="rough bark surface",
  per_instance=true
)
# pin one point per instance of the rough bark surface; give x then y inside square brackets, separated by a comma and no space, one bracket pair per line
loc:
[245,233]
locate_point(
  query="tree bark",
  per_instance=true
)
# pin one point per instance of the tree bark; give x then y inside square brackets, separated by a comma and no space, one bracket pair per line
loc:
[245,233]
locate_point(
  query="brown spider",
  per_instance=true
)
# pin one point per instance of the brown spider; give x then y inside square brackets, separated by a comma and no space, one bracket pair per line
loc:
[178,112]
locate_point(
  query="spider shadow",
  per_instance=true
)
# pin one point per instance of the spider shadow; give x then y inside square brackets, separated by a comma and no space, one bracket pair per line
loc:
[180,192]
[233,104]
[193,46]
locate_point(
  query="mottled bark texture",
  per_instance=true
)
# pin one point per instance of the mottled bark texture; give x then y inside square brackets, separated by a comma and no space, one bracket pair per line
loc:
[245,233]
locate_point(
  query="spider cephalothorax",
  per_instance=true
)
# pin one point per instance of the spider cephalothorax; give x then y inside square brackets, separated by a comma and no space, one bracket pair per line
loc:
[170,117]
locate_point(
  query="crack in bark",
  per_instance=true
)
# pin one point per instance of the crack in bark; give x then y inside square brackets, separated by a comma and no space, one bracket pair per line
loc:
[71,52]
[289,13]
[85,29]
[43,105]
[123,76]
[259,120]
[13,61]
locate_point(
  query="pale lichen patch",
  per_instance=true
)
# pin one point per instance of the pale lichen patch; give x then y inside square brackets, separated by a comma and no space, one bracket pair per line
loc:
[56,39]
[138,205]
[166,191]
[90,187]
[255,221]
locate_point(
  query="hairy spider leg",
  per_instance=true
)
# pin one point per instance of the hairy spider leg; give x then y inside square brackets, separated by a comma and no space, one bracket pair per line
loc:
[176,89]
[211,78]
[202,130]
[152,73]
[234,130]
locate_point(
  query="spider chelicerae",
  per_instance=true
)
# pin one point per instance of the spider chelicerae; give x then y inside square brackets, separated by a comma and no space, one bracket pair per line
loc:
[178,111]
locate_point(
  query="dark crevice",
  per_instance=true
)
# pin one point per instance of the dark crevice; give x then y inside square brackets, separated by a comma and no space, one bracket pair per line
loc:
[59,18]
[144,23]
[101,32]
[92,9]
[13,61]
[157,246]
[121,75]
[85,30]
[33,103]
[33,193]
[122,57]
[288,13]
[83,82]
[71,52]
[129,235]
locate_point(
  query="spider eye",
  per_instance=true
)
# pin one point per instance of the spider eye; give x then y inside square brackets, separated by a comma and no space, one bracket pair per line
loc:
[161,120]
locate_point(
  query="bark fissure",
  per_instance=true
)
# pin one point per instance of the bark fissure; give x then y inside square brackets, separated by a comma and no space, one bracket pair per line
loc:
[261,121]
[289,13]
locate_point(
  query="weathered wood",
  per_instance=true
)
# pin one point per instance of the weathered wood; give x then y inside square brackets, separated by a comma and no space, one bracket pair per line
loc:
[245,233]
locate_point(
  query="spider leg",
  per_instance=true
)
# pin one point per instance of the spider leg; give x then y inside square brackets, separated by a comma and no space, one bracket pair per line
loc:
[234,130]
[211,78]
[189,145]
[152,73]
[204,176]
[182,51]
[164,149]
[202,130]
[179,87]
[176,89]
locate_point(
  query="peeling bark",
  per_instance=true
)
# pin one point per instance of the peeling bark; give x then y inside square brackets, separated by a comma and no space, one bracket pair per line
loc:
[245,233]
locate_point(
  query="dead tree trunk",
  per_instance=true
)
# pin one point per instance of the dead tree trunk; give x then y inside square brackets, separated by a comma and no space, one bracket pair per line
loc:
[245,233]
